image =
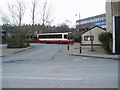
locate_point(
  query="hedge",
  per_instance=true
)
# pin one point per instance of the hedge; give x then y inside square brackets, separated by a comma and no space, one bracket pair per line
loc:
[106,39]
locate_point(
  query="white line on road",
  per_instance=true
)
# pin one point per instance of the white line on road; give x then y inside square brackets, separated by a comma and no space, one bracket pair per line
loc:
[85,58]
[40,78]
[76,59]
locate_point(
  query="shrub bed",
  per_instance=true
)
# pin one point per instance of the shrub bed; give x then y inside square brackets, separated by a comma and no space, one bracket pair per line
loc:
[11,45]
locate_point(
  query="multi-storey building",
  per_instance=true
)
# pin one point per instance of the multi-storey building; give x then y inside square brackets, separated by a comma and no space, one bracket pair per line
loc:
[87,23]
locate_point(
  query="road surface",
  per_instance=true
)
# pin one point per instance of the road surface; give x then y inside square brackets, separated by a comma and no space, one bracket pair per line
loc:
[44,66]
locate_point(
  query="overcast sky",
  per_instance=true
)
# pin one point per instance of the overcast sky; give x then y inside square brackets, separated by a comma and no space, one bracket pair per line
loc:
[64,9]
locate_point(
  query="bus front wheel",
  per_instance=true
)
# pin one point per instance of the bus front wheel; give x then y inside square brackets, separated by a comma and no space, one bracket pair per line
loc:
[59,42]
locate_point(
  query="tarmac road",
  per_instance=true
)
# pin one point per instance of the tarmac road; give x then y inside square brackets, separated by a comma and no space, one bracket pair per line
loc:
[44,66]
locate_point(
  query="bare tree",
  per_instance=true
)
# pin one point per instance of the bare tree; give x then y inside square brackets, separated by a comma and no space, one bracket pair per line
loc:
[67,22]
[17,11]
[34,5]
[33,17]
[5,19]
[46,13]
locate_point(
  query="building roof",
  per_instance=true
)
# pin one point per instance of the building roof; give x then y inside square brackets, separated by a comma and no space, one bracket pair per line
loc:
[91,17]
[92,28]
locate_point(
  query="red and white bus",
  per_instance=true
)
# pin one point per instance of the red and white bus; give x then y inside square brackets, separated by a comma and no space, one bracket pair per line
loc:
[55,37]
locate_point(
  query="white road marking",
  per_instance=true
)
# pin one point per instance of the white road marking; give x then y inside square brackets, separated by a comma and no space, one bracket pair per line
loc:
[85,58]
[40,78]
[75,59]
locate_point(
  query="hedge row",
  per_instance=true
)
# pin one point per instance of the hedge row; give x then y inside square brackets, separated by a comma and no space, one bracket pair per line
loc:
[106,39]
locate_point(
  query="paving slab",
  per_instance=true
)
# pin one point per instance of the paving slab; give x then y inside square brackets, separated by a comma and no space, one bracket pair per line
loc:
[6,51]
[86,51]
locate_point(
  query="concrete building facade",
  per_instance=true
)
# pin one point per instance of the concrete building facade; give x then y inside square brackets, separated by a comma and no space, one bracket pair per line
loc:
[113,22]
[112,9]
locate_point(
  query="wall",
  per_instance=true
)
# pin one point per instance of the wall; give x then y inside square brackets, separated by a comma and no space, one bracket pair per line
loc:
[94,32]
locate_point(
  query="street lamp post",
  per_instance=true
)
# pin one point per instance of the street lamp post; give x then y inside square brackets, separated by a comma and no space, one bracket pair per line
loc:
[80,35]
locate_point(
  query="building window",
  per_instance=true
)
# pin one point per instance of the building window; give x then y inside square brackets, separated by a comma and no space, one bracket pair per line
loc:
[103,18]
[94,20]
[81,22]
[100,18]
[90,20]
[103,26]
[77,23]
[88,38]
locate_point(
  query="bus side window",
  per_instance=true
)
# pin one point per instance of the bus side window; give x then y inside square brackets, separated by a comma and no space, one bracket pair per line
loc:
[65,36]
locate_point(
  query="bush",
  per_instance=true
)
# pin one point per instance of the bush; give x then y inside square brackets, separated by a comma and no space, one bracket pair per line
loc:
[3,39]
[18,37]
[31,40]
[106,39]
[13,43]
[77,39]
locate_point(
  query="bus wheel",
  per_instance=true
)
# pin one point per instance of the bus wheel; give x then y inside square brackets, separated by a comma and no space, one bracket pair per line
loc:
[44,42]
[59,42]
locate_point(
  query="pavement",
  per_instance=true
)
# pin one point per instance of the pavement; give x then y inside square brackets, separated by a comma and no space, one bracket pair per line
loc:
[7,51]
[86,52]
[73,50]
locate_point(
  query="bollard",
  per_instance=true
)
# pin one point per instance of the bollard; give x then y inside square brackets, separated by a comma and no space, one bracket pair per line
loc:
[68,47]
[80,49]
